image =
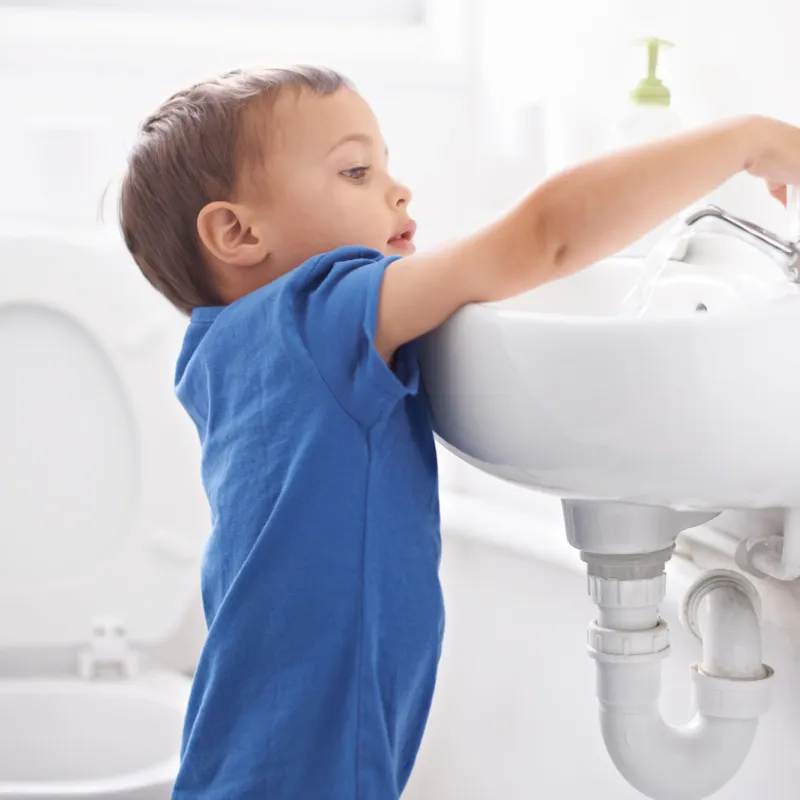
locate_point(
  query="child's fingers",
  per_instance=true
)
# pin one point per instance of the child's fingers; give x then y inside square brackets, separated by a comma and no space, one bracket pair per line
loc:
[778,191]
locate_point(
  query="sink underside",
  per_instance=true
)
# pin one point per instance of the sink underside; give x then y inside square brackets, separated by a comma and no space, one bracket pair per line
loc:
[679,407]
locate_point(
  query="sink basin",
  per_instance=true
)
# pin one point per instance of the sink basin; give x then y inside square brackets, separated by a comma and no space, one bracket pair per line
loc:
[678,407]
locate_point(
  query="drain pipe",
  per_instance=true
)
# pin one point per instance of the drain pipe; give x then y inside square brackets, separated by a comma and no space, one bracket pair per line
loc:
[628,640]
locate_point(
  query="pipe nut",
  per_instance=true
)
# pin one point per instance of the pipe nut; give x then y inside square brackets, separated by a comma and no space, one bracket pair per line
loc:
[730,698]
[617,646]
[615,593]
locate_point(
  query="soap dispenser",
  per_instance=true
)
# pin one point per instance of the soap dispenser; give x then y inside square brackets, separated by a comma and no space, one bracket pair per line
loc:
[650,115]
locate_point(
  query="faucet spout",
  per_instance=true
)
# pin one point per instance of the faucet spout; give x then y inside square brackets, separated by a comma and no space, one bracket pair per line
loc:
[783,252]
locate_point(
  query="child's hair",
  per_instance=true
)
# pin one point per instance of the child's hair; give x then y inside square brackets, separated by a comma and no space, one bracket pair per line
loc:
[189,153]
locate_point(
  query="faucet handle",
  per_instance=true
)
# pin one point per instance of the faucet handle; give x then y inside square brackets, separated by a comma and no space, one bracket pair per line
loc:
[762,235]
[785,252]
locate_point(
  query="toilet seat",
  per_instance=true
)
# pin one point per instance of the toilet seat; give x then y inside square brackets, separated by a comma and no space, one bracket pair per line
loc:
[104,522]
[85,297]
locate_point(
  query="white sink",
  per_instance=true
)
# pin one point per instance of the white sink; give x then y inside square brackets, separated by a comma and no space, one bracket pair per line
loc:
[676,408]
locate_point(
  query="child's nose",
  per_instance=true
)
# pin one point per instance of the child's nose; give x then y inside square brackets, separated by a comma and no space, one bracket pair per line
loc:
[399,195]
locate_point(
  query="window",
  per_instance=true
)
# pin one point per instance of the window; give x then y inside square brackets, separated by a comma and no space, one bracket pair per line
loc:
[406,41]
[406,12]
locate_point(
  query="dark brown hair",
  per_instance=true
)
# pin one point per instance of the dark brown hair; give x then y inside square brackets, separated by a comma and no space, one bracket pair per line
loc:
[188,153]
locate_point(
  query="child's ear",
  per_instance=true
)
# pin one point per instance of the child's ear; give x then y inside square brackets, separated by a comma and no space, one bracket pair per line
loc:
[230,234]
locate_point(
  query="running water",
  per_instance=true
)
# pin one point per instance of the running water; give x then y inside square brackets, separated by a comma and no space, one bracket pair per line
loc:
[637,301]
[793,209]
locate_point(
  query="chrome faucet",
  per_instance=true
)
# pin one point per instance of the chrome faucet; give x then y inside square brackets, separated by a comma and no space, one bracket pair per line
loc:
[783,252]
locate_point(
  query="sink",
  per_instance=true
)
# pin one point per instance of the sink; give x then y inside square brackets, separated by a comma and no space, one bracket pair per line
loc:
[694,405]
[645,425]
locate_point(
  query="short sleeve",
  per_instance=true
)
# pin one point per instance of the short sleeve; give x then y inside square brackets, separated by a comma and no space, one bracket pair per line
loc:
[337,304]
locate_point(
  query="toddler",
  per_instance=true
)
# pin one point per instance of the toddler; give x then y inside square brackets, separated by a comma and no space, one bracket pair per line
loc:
[261,204]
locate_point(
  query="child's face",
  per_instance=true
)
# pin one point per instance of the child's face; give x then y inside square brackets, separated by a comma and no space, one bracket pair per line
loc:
[326,181]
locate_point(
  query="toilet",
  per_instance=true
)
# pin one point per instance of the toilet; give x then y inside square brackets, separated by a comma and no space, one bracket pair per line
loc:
[104,521]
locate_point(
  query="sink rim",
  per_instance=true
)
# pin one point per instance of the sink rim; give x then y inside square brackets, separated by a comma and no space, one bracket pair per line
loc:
[569,438]
[764,304]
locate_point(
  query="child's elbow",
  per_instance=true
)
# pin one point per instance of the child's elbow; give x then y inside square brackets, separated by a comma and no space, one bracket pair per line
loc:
[531,250]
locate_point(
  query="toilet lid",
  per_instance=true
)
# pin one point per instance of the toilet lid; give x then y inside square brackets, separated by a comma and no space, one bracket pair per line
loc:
[102,507]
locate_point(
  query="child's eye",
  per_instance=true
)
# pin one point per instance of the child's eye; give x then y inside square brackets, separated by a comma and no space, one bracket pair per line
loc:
[357,174]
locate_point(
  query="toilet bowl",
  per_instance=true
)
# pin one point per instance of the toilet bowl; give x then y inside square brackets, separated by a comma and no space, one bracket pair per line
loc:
[103,522]
[70,738]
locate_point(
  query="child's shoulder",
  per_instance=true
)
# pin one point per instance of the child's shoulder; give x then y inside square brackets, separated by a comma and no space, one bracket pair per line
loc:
[300,280]
[317,321]
[281,302]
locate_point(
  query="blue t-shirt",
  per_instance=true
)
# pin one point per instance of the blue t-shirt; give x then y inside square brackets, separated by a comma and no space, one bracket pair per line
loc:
[320,578]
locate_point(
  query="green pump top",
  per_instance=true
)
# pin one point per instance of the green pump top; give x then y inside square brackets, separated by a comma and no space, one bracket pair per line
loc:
[650,90]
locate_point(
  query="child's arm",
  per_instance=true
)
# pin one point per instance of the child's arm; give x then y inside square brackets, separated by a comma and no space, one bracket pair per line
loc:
[578,218]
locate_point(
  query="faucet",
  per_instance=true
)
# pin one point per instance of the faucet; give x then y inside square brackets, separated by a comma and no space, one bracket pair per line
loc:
[783,252]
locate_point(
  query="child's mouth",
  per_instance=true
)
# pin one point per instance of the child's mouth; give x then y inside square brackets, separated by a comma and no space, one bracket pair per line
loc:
[405,239]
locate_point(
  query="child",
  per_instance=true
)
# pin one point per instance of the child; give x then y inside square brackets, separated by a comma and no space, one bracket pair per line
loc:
[260,203]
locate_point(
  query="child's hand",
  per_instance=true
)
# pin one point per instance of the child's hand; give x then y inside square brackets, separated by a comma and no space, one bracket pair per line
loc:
[775,155]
